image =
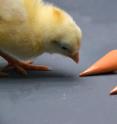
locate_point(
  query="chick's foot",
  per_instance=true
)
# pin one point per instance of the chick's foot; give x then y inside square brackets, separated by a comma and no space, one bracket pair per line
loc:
[11,67]
[3,74]
[21,66]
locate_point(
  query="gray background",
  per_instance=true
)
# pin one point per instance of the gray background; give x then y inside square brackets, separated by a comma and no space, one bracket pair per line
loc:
[61,96]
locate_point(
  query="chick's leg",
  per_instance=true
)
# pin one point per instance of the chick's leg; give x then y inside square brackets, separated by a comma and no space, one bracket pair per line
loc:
[10,66]
[2,74]
[22,66]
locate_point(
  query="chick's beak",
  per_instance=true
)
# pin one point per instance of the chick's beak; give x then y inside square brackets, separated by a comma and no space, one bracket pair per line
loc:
[75,57]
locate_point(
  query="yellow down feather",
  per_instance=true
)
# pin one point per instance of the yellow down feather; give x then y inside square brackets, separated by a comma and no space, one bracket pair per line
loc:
[27,28]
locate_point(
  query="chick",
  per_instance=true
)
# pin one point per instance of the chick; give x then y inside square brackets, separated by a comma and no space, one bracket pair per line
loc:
[29,28]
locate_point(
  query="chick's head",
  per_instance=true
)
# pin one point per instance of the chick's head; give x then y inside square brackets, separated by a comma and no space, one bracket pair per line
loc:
[62,35]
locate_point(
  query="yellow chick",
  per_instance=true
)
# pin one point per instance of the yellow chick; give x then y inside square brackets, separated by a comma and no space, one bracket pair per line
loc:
[29,28]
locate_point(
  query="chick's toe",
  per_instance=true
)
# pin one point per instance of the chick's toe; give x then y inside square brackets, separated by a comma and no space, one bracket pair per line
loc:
[20,66]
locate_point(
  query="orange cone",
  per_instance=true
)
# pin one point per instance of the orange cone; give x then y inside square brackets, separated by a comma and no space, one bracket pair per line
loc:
[106,64]
[113,91]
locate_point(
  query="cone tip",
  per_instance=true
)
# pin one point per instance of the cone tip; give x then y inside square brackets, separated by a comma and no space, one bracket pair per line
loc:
[113,91]
[82,74]
[90,71]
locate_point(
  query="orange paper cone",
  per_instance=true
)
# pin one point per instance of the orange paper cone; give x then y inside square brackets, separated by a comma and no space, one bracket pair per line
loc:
[106,64]
[114,91]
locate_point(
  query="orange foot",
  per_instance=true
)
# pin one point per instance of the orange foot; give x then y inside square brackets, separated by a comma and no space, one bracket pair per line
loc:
[20,66]
[3,74]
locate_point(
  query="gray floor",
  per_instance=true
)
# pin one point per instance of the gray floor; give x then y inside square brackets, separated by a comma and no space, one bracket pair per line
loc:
[60,96]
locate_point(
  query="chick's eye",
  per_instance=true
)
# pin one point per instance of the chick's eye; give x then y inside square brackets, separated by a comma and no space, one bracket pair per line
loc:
[64,48]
